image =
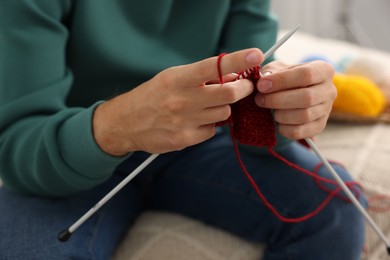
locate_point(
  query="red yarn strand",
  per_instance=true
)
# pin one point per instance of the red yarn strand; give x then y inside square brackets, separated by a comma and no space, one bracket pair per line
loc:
[219,60]
[268,204]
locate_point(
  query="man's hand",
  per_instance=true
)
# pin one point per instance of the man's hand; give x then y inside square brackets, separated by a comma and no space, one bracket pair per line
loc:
[301,96]
[176,109]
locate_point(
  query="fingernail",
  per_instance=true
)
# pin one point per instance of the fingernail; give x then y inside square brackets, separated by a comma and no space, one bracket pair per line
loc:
[265,85]
[254,58]
[259,99]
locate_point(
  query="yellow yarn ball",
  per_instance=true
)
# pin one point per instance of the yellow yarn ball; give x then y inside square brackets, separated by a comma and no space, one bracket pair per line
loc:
[358,95]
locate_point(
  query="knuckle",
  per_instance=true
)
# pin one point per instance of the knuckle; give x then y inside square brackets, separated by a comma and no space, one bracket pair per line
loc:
[327,68]
[205,69]
[173,111]
[333,92]
[296,133]
[307,75]
[175,106]
[209,132]
[226,112]
[231,94]
[322,124]
[186,137]
[293,132]
[309,96]
[303,130]
[180,140]
[175,122]
[281,82]
[307,115]
[171,141]
[167,77]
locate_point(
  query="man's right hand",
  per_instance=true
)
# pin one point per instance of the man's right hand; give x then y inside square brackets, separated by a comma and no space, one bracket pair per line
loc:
[176,109]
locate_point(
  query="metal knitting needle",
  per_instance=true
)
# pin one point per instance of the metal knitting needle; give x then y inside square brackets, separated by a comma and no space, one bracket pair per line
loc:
[349,194]
[329,167]
[281,42]
[66,234]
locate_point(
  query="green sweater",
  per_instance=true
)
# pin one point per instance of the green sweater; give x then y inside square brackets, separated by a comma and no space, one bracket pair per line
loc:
[60,58]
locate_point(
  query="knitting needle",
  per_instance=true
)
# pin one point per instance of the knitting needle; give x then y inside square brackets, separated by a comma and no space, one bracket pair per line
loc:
[66,234]
[349,193]
[280,42]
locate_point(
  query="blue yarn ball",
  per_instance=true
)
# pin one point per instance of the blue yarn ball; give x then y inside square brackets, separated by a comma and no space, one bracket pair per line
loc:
[310,58]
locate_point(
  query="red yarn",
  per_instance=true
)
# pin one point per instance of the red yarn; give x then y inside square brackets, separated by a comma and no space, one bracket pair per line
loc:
[253,125]
[350,184]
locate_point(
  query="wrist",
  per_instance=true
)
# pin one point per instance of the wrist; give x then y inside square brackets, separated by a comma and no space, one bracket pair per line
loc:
[106,130]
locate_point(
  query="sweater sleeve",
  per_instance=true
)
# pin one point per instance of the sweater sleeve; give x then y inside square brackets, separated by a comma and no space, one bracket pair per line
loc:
[46,148]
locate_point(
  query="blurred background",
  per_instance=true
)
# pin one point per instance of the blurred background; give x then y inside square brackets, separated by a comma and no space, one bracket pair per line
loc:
[360,21]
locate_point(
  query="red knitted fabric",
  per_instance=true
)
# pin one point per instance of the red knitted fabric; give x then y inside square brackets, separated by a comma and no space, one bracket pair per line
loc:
[252,124]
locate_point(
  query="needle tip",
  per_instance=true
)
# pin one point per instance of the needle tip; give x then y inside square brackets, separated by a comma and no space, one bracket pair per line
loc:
[64,235]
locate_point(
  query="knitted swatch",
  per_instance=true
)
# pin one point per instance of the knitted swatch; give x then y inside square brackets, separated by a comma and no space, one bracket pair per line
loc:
[251,124]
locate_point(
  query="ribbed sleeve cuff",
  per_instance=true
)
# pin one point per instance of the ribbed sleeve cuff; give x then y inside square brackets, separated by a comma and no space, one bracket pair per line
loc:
[80,150]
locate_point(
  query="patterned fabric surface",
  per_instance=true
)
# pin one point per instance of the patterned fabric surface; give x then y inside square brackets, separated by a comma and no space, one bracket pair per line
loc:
[159,235]
[365,150]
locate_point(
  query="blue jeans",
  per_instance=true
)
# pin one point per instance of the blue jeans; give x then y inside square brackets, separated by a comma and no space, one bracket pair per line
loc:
[203,182]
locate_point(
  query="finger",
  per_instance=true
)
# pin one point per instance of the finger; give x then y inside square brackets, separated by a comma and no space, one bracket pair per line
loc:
[209,116]
[302,115]
[188,137]
[214,115]
[207,131]
[226,78]
[229,93]
[206,70]
[299,76]
[294,98]
[302,131]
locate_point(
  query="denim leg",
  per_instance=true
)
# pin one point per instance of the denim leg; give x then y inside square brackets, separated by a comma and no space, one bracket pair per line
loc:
[29,225]
[206,183]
